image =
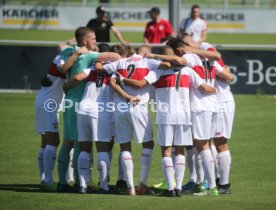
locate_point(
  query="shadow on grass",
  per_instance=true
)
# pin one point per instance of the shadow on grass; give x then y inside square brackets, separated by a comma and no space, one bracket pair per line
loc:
[20,187]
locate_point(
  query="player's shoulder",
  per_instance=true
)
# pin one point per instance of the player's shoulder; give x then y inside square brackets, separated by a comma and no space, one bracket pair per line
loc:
[207,46]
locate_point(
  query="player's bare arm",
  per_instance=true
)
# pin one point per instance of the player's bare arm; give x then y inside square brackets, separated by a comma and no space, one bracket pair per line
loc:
[99,66]
[210,55]
[207,89]
[133,99]
[226,74]
[74,81]
[168,58]
[108,56]
[69,63]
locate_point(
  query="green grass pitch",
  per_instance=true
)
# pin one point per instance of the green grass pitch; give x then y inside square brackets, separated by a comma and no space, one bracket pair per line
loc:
[136,37]
[252,173]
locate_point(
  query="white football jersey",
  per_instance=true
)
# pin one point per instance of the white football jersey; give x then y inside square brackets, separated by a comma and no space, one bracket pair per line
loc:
[194,27]
[55,91]
[207,71]
[172,93]
[223,88]
[97,99]
[134,67]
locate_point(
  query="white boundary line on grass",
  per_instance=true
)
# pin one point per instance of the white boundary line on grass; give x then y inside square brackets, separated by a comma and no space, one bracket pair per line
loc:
[219,46]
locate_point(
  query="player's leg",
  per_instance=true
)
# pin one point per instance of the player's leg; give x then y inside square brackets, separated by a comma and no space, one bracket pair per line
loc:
[182,137]
[123,136]
[70,174]
[64,154]
[144,134]
[40,157]
[202,129]
[103,145]
[215,153]
[191,161]
[223,129]
[103,149]
[224,164]
[83,164]
[85,136]
[127,164]
[52,139]
[165,140]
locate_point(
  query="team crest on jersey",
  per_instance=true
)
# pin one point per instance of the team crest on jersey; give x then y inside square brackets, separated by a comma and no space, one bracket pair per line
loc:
[103,25]
[161,28]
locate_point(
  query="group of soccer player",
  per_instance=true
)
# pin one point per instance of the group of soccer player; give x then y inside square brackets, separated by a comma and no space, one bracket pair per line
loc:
[107,95]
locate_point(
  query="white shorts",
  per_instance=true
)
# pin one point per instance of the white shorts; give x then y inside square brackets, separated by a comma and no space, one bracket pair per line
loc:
[93,129]
[203,125]
[135,120]
[224,123]
[45,121]
[179,135]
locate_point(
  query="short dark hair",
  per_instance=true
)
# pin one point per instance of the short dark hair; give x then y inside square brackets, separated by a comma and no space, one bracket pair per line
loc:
[81,32]
[143,46]
[195,6]
[182,35]
[120,49]
[175,43]
[164,48]
[104,47]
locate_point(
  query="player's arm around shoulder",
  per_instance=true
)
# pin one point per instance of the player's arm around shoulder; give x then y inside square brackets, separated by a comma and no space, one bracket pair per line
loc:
[76,79]
[226,74]
[167,58]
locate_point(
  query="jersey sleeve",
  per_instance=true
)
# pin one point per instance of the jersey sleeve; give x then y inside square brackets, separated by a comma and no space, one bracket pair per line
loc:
[190,59]
[87,71]
[153,76]
[67,52]
[217,66]
[152,63]
[59,61]
[195,79]
[112,67]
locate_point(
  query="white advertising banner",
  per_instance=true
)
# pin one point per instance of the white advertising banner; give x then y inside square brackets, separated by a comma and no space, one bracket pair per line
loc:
[132,19]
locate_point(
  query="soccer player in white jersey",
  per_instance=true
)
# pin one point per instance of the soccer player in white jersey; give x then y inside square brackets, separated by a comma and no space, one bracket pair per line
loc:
[47,103]
[95,113]
[195,25]
[224,122]
[173,118]
[131,119]
[204,107]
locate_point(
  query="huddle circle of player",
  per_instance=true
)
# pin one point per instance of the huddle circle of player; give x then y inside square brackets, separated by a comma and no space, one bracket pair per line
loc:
[105,95]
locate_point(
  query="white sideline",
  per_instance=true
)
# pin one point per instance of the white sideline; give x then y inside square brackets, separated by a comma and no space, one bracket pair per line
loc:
[17,91]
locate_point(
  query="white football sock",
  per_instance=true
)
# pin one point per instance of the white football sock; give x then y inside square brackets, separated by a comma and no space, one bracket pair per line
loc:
[91,165]
[49,160]
[199,167]
[215,153]
[168,170]
[179,170]
[191,164]
[70,172]
[209,167]
[83,167]
[173,155]
[145,163]
[127,164]
[40,163]
[224,164]
[103,169]
[120,167]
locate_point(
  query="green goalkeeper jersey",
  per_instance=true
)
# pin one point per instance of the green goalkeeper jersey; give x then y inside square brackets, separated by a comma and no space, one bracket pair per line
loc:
[82,62]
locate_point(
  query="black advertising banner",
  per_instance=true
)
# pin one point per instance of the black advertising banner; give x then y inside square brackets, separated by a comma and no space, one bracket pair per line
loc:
[254,70]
